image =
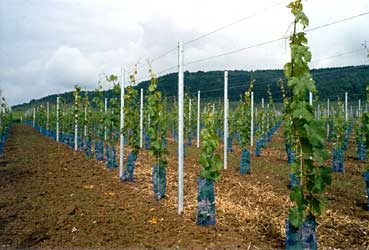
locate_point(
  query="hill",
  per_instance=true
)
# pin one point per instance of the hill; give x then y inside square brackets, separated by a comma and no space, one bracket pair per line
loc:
[331,83]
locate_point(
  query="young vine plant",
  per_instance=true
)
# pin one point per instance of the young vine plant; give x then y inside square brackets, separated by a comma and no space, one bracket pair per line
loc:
[307,133]
[131,115]
[158,128]
[365,126]
[244,121]
[210,161]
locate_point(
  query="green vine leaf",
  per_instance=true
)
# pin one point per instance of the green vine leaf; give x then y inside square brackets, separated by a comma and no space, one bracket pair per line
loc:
[210,161]
[302,131]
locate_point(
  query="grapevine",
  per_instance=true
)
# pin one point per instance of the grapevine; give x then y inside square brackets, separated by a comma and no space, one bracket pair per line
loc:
[210,161]
[307,133]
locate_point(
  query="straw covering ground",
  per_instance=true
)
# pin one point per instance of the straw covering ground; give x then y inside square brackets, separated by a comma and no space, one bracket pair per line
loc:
[53,197]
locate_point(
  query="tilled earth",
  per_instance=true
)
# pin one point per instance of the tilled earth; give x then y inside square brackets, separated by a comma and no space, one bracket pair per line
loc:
[53,198]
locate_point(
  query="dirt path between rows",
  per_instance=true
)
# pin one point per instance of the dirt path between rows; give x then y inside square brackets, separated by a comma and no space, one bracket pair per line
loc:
[52,197]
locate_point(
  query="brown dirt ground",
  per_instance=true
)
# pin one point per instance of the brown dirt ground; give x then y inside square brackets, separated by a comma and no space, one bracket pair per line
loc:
[53,198]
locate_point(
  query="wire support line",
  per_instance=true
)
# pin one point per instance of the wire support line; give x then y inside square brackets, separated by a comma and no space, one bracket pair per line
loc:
[234,22]
[247,74]
[212,32]
[246,77]
[148,62]
[273,40]
[147,77]
[338,55]
[235,51]
[244,48]
[274,82]
[337,22]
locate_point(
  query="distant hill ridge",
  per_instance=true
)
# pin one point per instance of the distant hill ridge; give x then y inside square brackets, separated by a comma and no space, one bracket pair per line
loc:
[331,83]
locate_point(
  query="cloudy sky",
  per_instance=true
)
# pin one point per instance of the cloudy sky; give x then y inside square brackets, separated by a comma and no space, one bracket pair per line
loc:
[48,46]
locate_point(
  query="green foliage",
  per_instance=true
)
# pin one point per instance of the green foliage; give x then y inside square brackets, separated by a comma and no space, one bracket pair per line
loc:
[87,121]
[233,118]
[365,127]
[132,115]
[339,125]
[307,134]
[112,117]
[189,114]
[41,116]
[77,105]
[174,116]
[261,121]
[243,122]
[158,128]
[271,116]
[331,82]
[210,161]
[219,116]
[5,115]
[288,134]
[98,117]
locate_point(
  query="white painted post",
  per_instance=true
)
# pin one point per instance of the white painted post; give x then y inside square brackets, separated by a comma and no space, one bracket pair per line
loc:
[359,107]
[47,115]
[346,113]
[328,115]
[34,117]
[252,120]
[225,126]
[198,120]
[75,126]
[189,116]
[57,119]
[213,108]
[141,119]
[351,114]
[262,102]
[106,111]
[180,126]
[310,98]
[121,136]
[268,117]
[85,128]
[318,112]
[256,113]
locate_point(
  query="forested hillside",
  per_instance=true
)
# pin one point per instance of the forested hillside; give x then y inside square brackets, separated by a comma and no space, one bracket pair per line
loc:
[331,83]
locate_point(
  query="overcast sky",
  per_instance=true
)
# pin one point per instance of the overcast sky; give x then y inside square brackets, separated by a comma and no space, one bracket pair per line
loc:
[48,46]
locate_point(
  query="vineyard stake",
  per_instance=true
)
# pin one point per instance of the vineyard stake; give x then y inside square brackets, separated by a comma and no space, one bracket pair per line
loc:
[34,117]
[180,127]
[252,120]
[328,113]
[346,113]
[47,115]
[198,120]
[85,129]
[57,118]
[141,118]
[189,116]
[106,110]
[225,141]
[121,136]
[76,126]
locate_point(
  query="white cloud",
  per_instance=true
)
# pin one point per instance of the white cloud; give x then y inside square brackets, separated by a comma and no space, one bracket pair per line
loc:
[68,66]
[48,46]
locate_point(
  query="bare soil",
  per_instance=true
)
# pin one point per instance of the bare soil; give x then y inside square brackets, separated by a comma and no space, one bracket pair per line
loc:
[54,198]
